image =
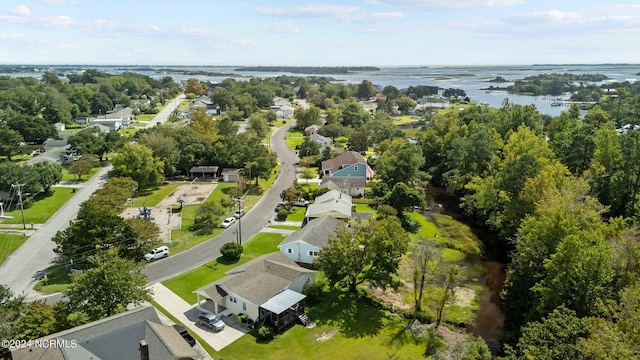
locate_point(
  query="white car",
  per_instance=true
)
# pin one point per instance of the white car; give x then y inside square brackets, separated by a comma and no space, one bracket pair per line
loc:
[228,222]
[157,253]
[239,213]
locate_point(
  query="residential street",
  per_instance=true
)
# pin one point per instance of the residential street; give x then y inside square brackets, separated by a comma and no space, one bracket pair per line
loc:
[256,219]
[22,269]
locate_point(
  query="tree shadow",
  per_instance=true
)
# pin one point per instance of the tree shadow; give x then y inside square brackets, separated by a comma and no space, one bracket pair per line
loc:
[354,317]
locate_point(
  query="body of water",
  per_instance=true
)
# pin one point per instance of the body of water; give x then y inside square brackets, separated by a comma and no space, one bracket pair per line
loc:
[471,79]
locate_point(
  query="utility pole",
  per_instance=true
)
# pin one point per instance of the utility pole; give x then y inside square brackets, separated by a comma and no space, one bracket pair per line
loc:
[2,215]
[19,191]
[240,201]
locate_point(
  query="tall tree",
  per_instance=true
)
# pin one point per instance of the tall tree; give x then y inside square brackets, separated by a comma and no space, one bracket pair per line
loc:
[366,252]
[10,141]
[108,287]
[137,162]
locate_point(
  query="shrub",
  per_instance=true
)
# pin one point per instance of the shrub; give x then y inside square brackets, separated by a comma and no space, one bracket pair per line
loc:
[313,292]
[231,251]
[265,333]
[282,215]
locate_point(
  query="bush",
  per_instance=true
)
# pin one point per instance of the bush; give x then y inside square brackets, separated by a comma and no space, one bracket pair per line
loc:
[231,251]
[313,292]
[265,333]
[282,215]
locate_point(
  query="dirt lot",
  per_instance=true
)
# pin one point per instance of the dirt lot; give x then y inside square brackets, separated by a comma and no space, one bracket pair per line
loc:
[194,194]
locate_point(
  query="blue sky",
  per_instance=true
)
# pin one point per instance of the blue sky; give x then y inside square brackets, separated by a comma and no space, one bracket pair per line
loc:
[316,33]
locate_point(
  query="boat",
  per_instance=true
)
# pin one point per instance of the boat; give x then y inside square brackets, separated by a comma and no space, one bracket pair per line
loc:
[556,103]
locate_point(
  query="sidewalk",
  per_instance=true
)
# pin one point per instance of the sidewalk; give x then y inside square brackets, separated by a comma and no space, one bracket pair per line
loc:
[187,314]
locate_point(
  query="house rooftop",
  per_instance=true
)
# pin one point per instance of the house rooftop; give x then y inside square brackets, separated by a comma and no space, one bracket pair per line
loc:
[316,232]
[346,158]
[257,280]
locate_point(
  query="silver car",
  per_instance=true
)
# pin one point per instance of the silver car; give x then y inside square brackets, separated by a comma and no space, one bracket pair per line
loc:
[210,321]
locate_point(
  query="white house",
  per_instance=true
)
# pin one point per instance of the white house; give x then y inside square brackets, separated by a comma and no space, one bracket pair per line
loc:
[322,140]
[351,185]
[332,203]
[59,126]
[303,245]
[267,288]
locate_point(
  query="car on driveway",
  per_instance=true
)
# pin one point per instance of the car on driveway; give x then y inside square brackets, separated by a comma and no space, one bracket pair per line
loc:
[210,321]
[228,222]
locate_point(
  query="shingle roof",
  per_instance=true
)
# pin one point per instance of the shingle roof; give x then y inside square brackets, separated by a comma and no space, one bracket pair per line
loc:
[114,337]
[259,279]
[343,182]
[346,158]
[316,232]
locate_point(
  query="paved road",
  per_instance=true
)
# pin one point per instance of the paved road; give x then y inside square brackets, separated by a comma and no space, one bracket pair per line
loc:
[256,219]
[20,271]
[164,114]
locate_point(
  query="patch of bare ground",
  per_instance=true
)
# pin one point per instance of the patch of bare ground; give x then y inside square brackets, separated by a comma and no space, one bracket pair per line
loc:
[463,296]
[391,297]
[326,335]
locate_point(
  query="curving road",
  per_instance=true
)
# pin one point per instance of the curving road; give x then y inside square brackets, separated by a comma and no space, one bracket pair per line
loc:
[255,220]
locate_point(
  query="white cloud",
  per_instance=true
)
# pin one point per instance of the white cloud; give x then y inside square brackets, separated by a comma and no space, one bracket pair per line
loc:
[375,17]
[20,10]
[58,2]
[310,10]
[449,4]
[282,27]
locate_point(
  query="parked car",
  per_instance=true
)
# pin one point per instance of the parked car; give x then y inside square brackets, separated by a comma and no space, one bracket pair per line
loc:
[185,335]
[157,253]
[279,207]
[301,202]
[239,213]
[210,321]
[228,222]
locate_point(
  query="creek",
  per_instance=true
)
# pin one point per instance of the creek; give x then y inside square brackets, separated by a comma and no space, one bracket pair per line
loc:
[489,320]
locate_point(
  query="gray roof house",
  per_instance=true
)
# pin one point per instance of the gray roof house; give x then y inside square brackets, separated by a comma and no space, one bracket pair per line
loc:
[332,203]
[115,337]
[303,245]
[311,129]
[351,185]
[268,289]
[322,140]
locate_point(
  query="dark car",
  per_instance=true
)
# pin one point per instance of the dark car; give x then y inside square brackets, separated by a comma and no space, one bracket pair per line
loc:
[279,207]
[210,321]
[185,335]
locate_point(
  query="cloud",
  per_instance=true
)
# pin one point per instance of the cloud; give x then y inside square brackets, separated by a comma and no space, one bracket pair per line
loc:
[375,17]
[310,10]
[448,4]
[58,2]
[282,27]
[20,10]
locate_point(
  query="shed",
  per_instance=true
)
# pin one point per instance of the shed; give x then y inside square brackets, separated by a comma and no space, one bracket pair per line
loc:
[204,172]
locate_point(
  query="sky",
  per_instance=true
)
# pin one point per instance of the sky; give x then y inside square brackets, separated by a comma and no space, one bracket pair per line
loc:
[319,33]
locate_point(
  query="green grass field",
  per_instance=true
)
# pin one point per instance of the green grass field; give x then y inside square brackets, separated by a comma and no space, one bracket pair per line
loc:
[294,138]
[184,284]
[10,243]
[296,213]
[154,196]
[344,330]
[42,207]
[71,177]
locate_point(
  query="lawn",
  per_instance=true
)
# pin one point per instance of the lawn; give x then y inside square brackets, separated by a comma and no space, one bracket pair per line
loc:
[285,227]
[294,138]
[184,284]
[72,177]
[153,196]
[296,213]
[9,243]
[39,209]
[427,230]
[365,208]
[344,330]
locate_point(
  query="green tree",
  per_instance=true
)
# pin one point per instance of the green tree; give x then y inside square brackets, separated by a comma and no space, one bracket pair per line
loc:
[164,147]
[48,174]
[367,252]
[37,320]
[309,147]
[423,261]
[137,162]
[555,337]
[359,140]
[10,141]
[194,86]
[258,124]
[108,287]
[399,161]
[32,128]
[82,166]
[306,117]
[366,90]
[402,197]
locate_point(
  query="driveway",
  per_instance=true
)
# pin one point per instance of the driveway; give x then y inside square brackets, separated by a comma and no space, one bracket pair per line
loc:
[186,314]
